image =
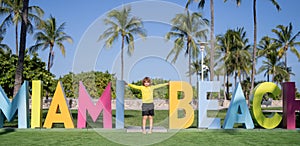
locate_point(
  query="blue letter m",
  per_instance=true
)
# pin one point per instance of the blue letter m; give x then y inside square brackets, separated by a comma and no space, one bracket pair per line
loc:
[20,102]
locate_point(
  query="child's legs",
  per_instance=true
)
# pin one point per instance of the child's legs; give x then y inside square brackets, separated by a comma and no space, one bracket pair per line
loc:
[147,112]
[144,122]
[151,122]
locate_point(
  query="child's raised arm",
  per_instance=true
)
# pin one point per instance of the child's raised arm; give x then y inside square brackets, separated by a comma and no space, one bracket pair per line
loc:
[134,86]
[160,85]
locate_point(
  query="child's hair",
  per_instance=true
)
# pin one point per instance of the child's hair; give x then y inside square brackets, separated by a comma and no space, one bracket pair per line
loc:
[146,79]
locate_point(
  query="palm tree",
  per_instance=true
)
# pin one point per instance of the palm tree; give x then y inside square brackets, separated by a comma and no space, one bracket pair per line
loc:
[287,40]
[212,28]
[49,36]
[224,45]
[13,10]
[282,74]
[255,39]
[187,30]
[19,69]
[196,69]
[121,23]
[268,48]
[236,59]
[240,54]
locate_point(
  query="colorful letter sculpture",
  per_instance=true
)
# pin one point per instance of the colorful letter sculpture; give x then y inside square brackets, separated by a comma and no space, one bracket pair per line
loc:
[85,104]
[36,104]
[258,93]
[120,91]
[238,111]
[204,105]
[20,102]
[183,104]
[59,104]
[290,105]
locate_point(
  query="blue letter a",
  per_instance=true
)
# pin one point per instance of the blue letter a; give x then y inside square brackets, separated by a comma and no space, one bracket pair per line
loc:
[238,111]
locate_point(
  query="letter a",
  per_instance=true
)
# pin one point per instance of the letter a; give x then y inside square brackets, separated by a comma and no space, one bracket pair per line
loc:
[238,111]
[59,102]
[175,104]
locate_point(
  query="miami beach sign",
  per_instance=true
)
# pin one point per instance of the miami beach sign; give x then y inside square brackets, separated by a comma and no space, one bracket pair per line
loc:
[237,112]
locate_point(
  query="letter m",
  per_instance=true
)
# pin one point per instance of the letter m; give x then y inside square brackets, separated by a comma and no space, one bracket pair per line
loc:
[20,102]
[85,104]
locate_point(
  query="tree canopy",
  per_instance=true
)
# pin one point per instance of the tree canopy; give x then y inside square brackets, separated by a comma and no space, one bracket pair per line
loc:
[34,69]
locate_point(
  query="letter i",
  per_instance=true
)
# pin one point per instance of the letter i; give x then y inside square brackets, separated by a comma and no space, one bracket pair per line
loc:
[36,104]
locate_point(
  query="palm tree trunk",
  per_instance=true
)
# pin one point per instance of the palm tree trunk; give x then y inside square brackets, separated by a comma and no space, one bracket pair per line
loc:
[49,67]
[285,61]
[224,83]
[227,86]
[122,58]
[235,78]
[285,56]
[190,60]
[254,47]
[16,30]
[197,84]
[49,58]
[219,93]
[268,74]
[19,69]
[240,77]
[212,40]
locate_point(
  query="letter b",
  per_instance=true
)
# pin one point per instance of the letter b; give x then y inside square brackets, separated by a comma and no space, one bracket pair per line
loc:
[174,121]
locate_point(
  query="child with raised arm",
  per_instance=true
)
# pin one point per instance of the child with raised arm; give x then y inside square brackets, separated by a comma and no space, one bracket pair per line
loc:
[147,99]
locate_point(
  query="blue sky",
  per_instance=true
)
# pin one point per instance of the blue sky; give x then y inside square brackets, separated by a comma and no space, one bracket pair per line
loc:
[84,24]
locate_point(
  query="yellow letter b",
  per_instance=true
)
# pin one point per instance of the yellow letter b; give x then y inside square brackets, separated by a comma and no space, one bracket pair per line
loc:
[184,119]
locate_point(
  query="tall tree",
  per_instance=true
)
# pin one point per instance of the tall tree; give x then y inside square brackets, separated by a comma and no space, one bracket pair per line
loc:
[196,69]
[236,57]
[240,54]
[187,30]
[49,36]
[95,83]
[255,40]
[267,48]
[34,69]
[20,65]
[212,31]
[121,23]
[224,45]
[13,10]
[287,41]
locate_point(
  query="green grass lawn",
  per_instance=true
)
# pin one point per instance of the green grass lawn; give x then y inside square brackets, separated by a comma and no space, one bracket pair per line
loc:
[118,137]
[95,135]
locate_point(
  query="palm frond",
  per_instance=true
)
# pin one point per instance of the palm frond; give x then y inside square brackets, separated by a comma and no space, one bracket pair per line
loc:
[130,42]
[61,48]
[178,45]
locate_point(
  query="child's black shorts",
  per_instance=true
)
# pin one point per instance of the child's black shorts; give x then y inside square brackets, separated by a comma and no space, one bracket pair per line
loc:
[147,109]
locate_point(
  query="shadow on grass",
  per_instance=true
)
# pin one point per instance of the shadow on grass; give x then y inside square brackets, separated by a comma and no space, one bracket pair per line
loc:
[7,130]
[129,116]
